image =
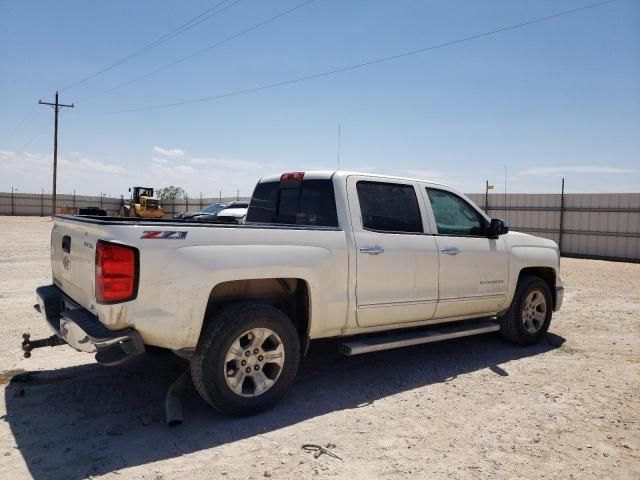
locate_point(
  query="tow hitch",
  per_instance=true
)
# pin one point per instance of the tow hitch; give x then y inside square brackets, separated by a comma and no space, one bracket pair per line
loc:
[28,344]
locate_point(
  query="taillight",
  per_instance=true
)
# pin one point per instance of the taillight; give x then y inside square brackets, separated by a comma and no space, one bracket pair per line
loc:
[292,176]
[116,272]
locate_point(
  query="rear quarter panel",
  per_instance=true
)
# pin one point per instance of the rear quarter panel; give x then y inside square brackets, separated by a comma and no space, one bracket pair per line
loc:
[178,275]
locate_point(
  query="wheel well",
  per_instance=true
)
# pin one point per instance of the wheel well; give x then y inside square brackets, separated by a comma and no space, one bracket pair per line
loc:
[290,295]
[545,273]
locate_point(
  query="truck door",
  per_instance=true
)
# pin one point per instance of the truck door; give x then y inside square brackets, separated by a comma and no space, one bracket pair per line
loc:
[473,268]
[396,260]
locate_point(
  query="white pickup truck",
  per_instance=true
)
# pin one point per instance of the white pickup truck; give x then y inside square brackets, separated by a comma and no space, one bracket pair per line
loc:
[322,254]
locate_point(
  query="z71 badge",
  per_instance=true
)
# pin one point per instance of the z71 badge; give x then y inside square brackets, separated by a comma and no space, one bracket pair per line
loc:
[164,234]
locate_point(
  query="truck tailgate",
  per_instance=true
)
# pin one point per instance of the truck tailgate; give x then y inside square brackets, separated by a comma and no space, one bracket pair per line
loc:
[73,259]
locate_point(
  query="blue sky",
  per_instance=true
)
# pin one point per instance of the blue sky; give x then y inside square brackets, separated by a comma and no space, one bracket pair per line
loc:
[558,98]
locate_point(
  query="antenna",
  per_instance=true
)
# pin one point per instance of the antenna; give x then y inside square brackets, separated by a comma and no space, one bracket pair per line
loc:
[505,192]
[339,133]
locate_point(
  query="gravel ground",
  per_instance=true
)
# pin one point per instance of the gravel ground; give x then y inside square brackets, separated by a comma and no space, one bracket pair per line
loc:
[469,408]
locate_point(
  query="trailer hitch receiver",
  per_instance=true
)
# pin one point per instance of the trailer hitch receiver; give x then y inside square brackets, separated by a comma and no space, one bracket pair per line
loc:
[28,344]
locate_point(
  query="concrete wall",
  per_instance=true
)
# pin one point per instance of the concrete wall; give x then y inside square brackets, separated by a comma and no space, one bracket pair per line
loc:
[593,225]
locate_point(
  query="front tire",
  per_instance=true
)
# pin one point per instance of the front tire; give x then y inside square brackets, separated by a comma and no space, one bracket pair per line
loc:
[246,359]
[527,320]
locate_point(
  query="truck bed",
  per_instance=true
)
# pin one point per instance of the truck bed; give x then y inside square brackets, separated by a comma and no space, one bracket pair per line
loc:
[181,262]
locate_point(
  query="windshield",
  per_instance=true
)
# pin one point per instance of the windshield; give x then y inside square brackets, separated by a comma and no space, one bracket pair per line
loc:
[213,208]
[145,192]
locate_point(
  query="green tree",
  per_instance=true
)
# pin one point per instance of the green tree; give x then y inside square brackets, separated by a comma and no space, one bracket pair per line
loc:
[171,193]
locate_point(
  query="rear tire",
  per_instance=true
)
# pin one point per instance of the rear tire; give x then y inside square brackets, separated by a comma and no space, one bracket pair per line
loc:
[527,320]
[246,359]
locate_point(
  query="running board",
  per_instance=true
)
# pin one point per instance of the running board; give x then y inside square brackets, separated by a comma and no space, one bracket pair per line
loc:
[416,337]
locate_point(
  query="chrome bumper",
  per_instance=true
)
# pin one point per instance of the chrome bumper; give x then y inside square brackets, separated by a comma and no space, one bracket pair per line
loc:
[83,331]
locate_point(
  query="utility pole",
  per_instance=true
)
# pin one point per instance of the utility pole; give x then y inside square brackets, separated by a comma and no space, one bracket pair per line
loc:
[487,187]
[56,107]
[561,229]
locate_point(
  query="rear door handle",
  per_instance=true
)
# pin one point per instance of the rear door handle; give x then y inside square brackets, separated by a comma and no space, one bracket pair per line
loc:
[450,250]
[372,250]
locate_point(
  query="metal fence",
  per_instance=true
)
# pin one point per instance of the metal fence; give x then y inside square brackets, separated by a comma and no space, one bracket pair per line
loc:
[596,225]
[39,204]
[590,225]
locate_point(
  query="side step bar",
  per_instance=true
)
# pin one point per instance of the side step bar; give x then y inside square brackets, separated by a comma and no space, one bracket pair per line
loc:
[416,337]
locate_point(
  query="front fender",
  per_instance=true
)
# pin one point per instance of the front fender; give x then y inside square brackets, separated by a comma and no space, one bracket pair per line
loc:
[529,256]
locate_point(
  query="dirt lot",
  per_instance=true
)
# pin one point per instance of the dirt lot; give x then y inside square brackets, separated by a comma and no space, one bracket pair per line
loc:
[471,408]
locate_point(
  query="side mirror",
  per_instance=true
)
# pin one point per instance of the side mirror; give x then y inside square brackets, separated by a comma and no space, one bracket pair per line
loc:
[129,188]
[497,227]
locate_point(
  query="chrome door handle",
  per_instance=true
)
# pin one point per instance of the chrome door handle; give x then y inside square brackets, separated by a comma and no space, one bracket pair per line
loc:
[374,250]
[450,250]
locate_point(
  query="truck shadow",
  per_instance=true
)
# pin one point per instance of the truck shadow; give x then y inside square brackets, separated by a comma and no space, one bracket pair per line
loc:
[90,420]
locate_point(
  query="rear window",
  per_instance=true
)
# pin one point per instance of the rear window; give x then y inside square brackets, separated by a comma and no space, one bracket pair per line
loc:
[306,202]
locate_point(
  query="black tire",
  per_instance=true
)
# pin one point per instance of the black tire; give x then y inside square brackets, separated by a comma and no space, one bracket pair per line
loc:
[512,325]
[209,366]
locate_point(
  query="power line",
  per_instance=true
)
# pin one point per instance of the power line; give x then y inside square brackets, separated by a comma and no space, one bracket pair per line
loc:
[39,131]
[368,63]
[26,118]
[195,21]
[201,51]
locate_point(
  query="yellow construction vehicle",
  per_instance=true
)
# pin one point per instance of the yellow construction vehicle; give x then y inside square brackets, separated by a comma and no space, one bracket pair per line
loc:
[142,204]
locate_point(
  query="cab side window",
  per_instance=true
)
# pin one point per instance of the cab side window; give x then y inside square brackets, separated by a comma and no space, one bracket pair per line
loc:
[454,216]
[389,207]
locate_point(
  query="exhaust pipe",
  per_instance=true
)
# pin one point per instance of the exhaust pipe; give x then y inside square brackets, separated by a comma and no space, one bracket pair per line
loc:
[173,400]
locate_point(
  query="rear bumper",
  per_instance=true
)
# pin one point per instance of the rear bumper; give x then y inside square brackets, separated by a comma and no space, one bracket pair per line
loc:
[83,331]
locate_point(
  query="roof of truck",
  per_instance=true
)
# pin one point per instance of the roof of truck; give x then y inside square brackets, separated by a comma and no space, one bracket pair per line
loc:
[327,174]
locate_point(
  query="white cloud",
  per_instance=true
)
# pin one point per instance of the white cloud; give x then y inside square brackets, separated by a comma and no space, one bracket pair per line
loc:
[177,172]
[168,152]
[209,174]
[226,163]
[86,165]
[543,171]
[32,171]
[425,174]
[364,169]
